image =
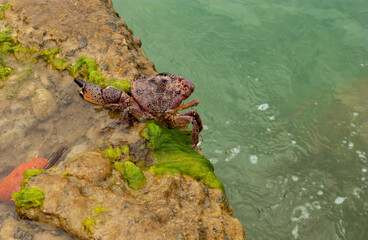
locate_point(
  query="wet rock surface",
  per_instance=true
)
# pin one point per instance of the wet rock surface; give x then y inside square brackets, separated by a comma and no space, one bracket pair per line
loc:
[81,28]
[41,111]
[168,207]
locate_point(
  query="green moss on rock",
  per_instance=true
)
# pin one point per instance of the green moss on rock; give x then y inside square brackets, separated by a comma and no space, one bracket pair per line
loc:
[85,67]
[28,198]
[131,173]
[122,84]
[88,69]
[91,70]
[5,71]
[173,154]
[30,173]
[98,210]
[89,225]
[50,56]
[115,154]
[3,9]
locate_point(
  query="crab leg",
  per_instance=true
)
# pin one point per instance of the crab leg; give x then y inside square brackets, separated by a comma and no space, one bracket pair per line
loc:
[134,110]
[196,117]
[193,118]
[190,104]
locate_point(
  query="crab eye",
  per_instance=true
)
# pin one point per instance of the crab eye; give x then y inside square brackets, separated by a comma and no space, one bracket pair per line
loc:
[178,92]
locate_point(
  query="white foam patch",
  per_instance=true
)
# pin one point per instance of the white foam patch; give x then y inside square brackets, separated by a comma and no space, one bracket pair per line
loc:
[356,192]
[320,193]
[205,127]
[361,155]
[295,233]
[316,205]
[340,200]
[300,213]
[263,107]
[253,159]
[213,160]
[364,170]
[295,178]
[351,145]
[355,114]
[233,152]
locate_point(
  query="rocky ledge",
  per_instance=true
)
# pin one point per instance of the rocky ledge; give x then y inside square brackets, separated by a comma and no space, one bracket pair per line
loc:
[88,198]
[147,192]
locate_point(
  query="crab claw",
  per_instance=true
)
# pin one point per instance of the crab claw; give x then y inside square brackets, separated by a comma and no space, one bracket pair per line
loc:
[164,74]
[90,92]
[80,82]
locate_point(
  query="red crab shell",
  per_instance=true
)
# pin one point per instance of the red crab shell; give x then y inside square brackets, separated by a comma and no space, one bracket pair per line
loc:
[159,93]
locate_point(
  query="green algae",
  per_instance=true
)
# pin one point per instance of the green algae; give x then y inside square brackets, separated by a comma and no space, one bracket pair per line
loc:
[131,173]
[89,225]
[28,198]
[121,84]
[97,211]
[3,9]
[65,174]
[125,149]
[84,67]
[5,71]
[5,37]
[88,69]
[128,170]
[30,173]
[173,154]
[115,154]
[50,57]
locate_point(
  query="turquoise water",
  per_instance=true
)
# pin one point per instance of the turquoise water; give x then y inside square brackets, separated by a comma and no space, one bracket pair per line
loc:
[283,89]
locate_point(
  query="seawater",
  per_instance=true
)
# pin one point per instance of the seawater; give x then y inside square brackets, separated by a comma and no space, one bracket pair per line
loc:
[283,89]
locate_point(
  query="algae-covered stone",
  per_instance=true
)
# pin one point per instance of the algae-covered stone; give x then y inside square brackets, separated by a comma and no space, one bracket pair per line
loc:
[105,208]
[131,173]
[30,173]
[169,206]
[28,198]
[93,75]
[89,225]
[173,154]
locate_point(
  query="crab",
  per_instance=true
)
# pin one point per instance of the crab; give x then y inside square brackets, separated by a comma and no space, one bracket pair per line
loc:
[152,97]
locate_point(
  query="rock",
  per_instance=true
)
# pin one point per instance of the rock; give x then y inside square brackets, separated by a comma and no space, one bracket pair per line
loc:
[100,204]
[86,196]
[45,81]
[80,30]
[78,149]
[16,108]
[23,94]
[43,104]
[11,229]
[90,167]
